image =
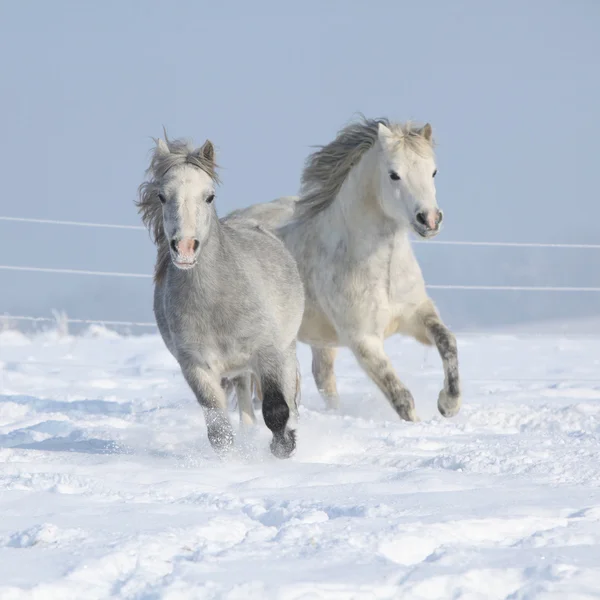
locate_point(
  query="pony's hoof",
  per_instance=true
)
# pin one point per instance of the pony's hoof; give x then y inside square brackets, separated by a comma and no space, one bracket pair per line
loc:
[448,405]
[221,442]
[283,445]
[332,403]
[248,421]
[404,405]
[408,414]
[223,452]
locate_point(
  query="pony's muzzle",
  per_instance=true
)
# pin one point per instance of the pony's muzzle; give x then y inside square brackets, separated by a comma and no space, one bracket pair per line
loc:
[184,252]
[428,222]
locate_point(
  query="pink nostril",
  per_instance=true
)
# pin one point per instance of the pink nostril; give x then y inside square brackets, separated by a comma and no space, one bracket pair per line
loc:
[432,219]
[187,246]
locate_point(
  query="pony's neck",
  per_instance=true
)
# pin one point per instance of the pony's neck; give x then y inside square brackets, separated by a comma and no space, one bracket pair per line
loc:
[358,202]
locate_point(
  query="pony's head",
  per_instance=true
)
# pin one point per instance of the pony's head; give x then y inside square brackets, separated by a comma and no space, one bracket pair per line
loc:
[177,203]
[407,171]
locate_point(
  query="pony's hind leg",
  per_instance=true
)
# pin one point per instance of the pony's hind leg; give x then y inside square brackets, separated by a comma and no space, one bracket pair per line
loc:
[449,399]
[279,391]
[257,396]
[211,397]
[323,360]
[370,353]
[243,392]
[228,387]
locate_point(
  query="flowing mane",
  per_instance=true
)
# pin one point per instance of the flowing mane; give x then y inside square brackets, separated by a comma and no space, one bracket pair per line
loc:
[180,152]
[357,299]
[326,169]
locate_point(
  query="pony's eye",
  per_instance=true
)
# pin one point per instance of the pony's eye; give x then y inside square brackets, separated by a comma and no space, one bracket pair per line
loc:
[210,198]
[162,198]
[434,173]
[394,176]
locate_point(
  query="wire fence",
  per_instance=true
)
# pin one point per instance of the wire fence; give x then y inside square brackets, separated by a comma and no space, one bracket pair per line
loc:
[433,286]
[449,287]
[428,242]
[29,319]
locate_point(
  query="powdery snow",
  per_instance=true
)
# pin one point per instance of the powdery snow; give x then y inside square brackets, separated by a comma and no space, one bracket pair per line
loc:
[109,489]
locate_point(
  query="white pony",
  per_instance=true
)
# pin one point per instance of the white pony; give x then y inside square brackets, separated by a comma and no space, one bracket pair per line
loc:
[361,196]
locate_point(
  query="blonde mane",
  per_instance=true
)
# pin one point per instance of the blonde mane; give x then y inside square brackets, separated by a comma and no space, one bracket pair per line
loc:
[326,169]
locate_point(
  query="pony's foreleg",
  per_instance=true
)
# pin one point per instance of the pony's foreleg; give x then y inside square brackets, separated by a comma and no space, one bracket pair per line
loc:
[323,360]
[243,391]
[370,353]
[211,397]
[279,389]
[449,399]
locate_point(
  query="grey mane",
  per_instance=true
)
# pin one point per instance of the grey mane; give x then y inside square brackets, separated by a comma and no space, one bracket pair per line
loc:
[181,152]
[326,169]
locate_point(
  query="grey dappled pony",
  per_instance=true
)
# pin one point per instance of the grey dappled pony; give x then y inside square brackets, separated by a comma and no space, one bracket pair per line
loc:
[228,298]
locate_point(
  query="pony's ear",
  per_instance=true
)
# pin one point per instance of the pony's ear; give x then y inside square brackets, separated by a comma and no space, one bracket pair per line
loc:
[161,147]
[207,152]
[427,132]
[385,135]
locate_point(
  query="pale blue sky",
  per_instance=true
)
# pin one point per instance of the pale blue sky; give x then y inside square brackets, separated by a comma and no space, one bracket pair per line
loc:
[511,88]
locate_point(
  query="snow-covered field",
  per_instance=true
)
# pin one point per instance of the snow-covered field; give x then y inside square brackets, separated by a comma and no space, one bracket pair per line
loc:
[109,489]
